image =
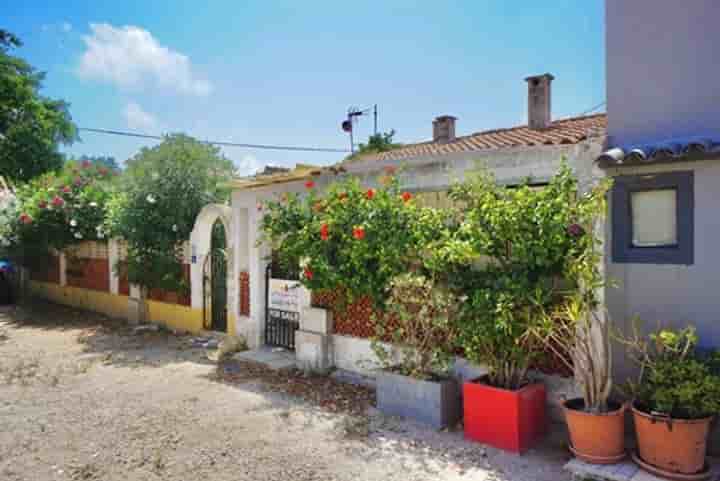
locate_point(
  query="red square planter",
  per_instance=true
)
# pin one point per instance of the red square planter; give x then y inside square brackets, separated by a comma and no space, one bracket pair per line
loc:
[509,420]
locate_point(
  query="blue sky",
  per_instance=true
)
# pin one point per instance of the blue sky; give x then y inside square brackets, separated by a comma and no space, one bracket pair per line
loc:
[285,72]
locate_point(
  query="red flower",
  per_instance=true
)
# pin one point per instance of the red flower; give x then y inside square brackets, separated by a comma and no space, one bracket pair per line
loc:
[58,201]
[390,170]
[66,189]
[370,194]
[309,184]
[78,181]
[308,274]
[42,204]
[406,196]
[25,218]
[85,164]
[103,171]
[324,232]
[359,233]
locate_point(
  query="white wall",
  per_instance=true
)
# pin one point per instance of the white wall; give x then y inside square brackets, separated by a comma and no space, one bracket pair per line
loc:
[662,69]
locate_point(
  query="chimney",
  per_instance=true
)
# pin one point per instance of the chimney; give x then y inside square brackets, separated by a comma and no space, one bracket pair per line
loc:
[444,129]
[539,101]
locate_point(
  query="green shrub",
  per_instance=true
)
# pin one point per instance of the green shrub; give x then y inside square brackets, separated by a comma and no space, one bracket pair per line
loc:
[419,321]
[675,380]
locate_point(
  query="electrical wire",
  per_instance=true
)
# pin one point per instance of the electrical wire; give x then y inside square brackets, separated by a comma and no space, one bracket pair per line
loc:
[216,142]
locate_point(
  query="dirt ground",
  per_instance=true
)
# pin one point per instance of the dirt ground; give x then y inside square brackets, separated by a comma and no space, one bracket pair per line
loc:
[84,398]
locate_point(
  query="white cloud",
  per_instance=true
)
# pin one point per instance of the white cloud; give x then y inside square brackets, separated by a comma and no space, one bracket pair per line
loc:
[248,165]
[131,57]
[137,118]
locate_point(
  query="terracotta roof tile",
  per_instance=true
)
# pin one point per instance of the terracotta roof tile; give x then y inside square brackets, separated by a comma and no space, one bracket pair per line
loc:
[562,132]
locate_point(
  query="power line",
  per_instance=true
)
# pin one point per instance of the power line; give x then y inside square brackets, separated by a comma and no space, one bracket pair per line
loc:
[215,142]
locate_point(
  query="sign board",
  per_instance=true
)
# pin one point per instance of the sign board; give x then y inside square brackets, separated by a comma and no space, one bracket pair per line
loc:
[288,296]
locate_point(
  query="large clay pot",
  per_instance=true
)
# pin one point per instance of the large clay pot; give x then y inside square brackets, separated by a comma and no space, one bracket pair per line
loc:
[673,445]
[596,438]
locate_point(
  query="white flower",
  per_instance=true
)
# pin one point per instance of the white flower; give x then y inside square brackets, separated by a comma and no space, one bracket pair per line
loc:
[150,198]
[78,235]
[73,223]
[174,228]
[93,204]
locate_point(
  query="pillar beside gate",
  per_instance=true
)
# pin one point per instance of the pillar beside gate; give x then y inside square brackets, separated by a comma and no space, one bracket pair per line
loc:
[313,346]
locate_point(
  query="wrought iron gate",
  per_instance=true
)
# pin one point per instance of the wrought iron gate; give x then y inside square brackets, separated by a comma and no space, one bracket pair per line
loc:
[215,282]
[280,326]
[218,282]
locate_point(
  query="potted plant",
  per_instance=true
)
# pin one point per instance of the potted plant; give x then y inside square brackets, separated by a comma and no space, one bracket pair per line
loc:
[577,331]
[508,254]
[413,342]
[676,397]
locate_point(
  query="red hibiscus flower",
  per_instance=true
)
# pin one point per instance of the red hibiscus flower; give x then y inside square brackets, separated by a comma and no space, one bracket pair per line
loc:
[66,189]
[309,184]
[25,218]
[308,273]
[359,233]
[58,201]
[85,164]
[406,196]
[324,232]
[42,204]
[370,194]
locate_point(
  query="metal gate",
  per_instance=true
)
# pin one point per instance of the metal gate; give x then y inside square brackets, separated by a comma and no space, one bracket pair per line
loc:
[215,282]
[280,326]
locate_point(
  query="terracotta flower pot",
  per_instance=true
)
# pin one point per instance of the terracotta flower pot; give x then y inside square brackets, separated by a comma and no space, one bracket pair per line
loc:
[596,438]
[672,445]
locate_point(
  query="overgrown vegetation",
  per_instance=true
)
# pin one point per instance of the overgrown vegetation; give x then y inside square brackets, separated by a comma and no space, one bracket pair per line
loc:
[515,254]
[162,192]
[512,255]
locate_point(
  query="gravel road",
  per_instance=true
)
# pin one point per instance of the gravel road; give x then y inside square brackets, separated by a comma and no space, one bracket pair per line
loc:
[83,398]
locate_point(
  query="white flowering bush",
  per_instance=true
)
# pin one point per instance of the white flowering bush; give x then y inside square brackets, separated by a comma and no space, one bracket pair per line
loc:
[162,192]
[59,209]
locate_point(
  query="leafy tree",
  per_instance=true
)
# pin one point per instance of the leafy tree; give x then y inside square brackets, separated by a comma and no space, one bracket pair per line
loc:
[162,191]
[32,126]
[377,143]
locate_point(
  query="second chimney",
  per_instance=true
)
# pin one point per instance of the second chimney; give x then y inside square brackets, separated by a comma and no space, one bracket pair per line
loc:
[444,129]
[539,101]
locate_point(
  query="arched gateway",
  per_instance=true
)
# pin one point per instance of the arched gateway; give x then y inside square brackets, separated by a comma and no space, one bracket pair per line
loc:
[211,268]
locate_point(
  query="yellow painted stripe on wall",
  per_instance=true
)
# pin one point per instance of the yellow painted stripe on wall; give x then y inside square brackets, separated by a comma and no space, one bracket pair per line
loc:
[171,315]
[109,304]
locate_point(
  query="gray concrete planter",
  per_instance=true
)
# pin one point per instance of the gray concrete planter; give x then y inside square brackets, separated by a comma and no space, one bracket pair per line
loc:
[436,403]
